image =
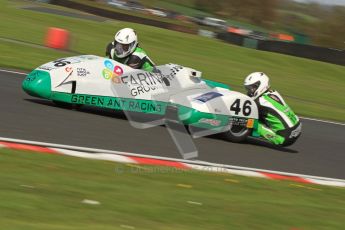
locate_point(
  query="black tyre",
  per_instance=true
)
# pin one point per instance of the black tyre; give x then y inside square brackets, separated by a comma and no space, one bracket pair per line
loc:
[237,133]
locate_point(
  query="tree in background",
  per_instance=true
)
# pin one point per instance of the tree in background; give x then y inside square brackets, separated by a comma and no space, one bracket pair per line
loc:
[207,6]
[257,12]
[331,31]
[325,25]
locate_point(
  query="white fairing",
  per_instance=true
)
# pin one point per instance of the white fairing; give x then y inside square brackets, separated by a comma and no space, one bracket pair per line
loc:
[170,83]
[92,73]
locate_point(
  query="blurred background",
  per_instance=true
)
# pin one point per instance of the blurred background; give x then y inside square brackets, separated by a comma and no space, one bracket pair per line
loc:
[317,22]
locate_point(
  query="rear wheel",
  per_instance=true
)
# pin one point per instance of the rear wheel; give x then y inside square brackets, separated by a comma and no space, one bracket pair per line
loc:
[237,133]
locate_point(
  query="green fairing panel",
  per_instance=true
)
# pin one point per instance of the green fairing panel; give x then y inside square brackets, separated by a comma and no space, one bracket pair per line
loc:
[147,67]
[284,109]
[127,104]
[38,84]
[275,123]
[255,132]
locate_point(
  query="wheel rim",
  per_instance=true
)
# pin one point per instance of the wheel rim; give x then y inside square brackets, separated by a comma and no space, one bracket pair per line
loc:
[238,130]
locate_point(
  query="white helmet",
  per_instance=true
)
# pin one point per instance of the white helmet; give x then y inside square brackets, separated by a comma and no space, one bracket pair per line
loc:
[126,41]
[256,84]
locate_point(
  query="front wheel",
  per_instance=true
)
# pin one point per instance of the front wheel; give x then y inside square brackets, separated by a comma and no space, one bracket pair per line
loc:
[237,133]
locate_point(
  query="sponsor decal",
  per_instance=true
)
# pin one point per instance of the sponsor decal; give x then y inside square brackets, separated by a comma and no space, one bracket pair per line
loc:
[238,121]
[212,122]
[82,72]
[208,96]
[111,72]
[68,69]
[118,103]
[62,62]
[142,82]
[250,123]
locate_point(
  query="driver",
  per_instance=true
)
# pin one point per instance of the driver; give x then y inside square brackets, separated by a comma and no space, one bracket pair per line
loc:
[125,49]
[277,122]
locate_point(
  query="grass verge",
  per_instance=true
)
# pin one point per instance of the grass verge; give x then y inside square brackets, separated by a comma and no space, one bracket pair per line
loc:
[43,191]
[311,88]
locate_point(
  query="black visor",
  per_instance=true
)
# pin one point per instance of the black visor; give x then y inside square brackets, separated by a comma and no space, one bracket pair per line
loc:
[251,89]
[123,50]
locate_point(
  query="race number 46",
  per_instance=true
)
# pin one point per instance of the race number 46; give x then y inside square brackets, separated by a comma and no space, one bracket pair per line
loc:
[236,107]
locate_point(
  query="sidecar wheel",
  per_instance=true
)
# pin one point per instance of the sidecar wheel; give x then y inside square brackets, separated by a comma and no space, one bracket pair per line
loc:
[237,134]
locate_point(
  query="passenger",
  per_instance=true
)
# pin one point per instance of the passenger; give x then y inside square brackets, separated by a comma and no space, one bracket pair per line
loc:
[126,50]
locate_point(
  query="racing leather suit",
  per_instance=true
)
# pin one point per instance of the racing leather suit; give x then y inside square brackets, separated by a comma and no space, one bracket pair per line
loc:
[277,122]
[137,60]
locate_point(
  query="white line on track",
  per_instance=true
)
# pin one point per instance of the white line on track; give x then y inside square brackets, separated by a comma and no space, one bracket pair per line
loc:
[204,163]
[304,118]
[323,121]
[10,71]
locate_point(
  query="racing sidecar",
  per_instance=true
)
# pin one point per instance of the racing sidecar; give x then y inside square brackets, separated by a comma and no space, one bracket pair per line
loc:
[97,81]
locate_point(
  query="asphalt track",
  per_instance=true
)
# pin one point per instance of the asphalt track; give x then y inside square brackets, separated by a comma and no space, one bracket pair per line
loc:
[319,151]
